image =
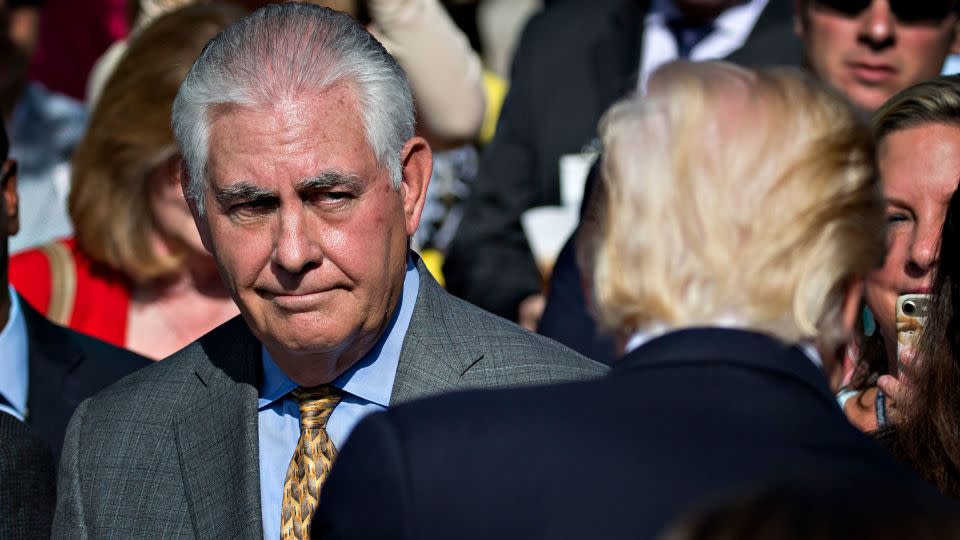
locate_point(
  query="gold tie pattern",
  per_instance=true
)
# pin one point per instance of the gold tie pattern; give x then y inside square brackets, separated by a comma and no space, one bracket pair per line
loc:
[311,461]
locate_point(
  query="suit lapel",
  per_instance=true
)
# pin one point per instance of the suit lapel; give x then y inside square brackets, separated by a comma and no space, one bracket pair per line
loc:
[49,399]
[217,438]
[432,360]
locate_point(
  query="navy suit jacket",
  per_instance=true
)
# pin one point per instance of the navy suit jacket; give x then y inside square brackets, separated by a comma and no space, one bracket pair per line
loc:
[690,418]
[65,368]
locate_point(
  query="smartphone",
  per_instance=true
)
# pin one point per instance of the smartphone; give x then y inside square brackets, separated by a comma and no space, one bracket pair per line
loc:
[911,317]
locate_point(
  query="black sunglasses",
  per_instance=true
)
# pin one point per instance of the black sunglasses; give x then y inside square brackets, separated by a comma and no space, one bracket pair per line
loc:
[906,11]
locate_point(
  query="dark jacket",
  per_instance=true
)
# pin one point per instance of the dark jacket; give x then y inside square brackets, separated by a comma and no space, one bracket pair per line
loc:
[686,420]
[28,492]
[66,368]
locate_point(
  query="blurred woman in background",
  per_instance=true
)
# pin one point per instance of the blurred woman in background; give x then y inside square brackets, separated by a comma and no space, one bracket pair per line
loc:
[135,273]
[918,143]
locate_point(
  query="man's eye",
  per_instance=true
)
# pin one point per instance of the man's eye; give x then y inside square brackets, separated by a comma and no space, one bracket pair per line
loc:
[334,197]
[251,207]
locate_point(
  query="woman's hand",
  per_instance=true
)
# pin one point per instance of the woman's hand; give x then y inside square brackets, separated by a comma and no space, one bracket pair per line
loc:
[898,390]
[861,410]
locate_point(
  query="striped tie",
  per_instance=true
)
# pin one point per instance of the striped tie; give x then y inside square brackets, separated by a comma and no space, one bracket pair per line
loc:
[311,461]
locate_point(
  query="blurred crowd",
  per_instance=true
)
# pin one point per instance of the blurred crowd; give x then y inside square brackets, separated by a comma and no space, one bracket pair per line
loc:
[677,269]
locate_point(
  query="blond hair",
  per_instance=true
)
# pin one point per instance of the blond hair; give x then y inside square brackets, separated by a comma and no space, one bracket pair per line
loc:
[129,136]
[936,101]
[730,194]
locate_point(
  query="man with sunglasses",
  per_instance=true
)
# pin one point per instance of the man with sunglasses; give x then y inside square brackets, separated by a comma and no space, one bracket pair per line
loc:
[871,49]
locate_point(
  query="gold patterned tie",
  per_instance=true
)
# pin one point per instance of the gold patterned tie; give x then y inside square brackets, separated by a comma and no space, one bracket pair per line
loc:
[311,461]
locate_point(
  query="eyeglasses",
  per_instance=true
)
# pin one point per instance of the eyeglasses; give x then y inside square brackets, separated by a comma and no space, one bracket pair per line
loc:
[906,11]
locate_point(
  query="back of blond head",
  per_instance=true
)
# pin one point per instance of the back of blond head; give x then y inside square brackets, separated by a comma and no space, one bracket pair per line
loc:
[732,196]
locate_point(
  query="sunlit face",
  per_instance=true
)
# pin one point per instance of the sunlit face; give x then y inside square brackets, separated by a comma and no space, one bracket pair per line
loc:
[307,229]
[872,56]
[920,168]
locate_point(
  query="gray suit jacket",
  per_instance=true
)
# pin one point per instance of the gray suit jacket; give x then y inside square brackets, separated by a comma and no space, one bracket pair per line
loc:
[171,451]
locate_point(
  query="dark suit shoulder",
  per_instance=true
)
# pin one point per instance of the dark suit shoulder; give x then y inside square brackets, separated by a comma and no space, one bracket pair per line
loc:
[166,386]
[568,16]
[505,343]
[554,37]
[100,354]
[156,386]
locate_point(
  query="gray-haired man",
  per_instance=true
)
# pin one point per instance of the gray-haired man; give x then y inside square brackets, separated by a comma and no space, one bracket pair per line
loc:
[306,182]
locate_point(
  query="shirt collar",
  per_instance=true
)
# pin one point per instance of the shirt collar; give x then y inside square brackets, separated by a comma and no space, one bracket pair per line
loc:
[370,378]
[733,21]
[14,369]
[655,330]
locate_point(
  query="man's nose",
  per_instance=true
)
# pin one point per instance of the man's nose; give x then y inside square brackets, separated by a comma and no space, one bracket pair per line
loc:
[877,25]
[297,247]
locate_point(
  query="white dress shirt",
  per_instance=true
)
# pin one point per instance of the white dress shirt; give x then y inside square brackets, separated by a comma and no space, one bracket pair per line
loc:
[731,30]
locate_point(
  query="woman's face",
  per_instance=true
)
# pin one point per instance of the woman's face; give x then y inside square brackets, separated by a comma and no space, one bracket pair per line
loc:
[171,215]
[920,167]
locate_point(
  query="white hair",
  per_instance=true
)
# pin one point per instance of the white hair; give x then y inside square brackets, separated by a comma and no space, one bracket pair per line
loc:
[281,52]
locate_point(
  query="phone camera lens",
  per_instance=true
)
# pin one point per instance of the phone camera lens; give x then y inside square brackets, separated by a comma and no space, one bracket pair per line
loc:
[909,308]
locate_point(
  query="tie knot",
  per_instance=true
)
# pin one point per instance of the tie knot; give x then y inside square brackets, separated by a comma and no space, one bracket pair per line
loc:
[688,34]
[316,405]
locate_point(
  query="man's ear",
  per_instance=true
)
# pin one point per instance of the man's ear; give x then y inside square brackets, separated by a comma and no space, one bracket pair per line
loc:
[416,165]
[799,17]
[198,218]
[11,200]
[955,45]
[852,301]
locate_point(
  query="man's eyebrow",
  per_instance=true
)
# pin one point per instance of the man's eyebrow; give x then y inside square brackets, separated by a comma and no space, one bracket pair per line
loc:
[329,180]
[241,191]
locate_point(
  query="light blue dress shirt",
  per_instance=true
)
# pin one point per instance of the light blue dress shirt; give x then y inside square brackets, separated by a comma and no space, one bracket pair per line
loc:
[14,370]
[366,389]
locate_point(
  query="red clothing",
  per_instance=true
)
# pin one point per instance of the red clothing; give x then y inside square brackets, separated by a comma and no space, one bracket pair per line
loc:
[102,300]
[73,35]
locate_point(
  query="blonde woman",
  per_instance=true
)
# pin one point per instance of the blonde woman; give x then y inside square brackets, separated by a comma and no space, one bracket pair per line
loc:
[135,273]
[918,142]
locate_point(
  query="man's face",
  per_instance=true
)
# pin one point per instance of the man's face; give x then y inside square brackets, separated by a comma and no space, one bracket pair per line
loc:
[9,202]
[872,55]
[307,229]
